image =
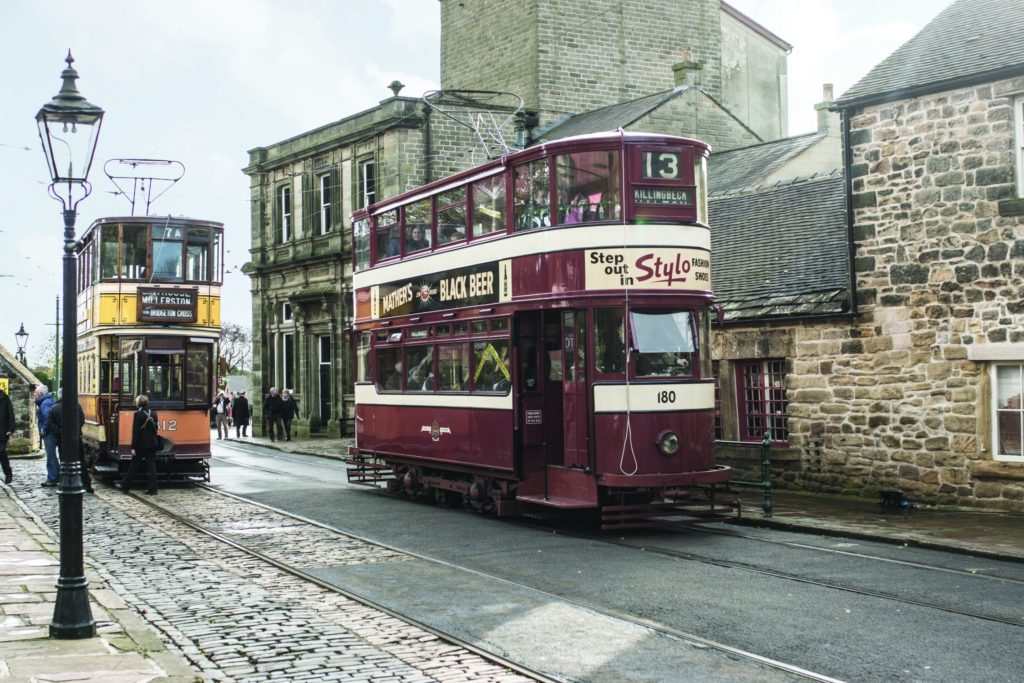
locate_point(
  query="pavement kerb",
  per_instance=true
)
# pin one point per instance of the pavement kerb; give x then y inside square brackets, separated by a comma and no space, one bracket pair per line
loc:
[880,538]
[275,447]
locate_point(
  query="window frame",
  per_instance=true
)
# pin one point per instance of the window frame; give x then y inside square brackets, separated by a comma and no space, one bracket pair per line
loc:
[366,186]
[766,369]
[995,410]
[326,205]
[1018,135]
[285,228]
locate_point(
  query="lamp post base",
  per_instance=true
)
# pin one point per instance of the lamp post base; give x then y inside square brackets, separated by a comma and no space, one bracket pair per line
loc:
[72,615]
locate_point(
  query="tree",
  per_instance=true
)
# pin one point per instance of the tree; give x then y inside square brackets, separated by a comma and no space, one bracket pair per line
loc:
[235,348]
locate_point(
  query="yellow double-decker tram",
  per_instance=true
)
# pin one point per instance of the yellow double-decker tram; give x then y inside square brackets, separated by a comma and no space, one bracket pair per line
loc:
[149,293]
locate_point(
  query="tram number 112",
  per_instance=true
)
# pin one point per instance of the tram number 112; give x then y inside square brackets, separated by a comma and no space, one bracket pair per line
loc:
[664,165]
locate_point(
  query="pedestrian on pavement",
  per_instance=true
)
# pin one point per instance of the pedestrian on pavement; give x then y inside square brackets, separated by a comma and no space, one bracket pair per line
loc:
[231,409]
[6,429]
[55,424]
[220,408]
[144,444]
[272,414]
[289,410]
[44,404]
[240,412]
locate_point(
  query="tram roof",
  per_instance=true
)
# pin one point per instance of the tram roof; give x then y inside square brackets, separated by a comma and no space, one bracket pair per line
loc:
[538,150]
[167,220]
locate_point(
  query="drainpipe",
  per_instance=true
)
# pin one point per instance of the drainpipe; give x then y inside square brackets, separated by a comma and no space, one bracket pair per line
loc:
[428,162]
[850,220]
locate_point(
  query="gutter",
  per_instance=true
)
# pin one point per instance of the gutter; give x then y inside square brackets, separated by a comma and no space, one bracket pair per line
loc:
[912,91]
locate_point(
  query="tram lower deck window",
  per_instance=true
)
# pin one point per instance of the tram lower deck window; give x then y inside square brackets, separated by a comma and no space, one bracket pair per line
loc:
[492,366]
[420,361]
[665,343]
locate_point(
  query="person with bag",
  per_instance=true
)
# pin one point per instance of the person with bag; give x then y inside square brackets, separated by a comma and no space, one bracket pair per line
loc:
[144,444]
[240,412]
[55,426]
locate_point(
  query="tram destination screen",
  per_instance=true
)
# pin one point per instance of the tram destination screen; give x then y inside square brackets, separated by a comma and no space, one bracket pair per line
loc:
[167,305]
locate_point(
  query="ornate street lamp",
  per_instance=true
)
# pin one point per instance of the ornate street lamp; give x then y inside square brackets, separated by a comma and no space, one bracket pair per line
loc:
[68,128]
[21,336]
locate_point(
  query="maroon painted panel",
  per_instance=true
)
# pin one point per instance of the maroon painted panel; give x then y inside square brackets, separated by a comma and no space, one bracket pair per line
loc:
[695,437]
[480,438]
[558,273]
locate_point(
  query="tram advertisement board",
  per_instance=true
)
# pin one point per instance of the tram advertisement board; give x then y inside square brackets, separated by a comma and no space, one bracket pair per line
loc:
[484,283]
[167,305]
[661,268]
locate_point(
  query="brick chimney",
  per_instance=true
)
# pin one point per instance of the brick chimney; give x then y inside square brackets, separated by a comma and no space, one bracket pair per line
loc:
[828,121]
[687,71]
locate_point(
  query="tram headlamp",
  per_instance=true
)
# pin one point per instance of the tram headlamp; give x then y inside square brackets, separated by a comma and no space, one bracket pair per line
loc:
[668,443]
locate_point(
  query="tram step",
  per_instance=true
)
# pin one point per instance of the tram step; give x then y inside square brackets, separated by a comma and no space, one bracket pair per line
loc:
[562,502]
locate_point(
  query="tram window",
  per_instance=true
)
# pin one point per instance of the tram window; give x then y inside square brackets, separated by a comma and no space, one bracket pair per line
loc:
[197,373]
[108,251]
[609,341]
[389,369]
[443,330]
[163,374]
[387,235]
[528,363]
[531,197]
[664,343]
[451,216]
[361,233]
[382,336]
[217,275]
[479,326]
[130,350]
[167,253]
[489,205]
[460,329]
[197,255]
[588,187]
[421,333]
[499,325]
[491,372]
[420,361]
[453,367]
[417,225]
[135,239]
[363,357]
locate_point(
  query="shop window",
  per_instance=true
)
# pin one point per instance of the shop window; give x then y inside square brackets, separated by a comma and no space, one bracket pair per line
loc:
[531,198]
[167,253]
[588,187]
[761,399]
[489,205]
[664,343]
[418,217]
[453,367]
[1008,418]
[491,366]
[451,216]
[387,235]
[420,361]
[361,237]
[609,341]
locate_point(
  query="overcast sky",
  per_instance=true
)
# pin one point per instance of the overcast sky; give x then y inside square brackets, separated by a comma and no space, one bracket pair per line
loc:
[202,82]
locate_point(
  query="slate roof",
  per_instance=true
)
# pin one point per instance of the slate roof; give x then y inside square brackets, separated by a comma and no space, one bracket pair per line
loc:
[607,118]
[968,38]
[782,251]
[747,167]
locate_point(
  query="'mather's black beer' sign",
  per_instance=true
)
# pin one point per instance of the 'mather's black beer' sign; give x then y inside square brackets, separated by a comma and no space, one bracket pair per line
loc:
[485,283]
[168,305]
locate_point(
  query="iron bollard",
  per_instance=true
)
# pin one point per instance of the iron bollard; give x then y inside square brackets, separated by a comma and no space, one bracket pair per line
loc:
[766,473]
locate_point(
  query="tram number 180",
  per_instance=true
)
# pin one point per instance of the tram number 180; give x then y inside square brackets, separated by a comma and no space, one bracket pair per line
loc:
[666,397]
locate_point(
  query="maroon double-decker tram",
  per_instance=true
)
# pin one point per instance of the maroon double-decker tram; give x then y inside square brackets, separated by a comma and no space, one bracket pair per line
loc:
[535,331]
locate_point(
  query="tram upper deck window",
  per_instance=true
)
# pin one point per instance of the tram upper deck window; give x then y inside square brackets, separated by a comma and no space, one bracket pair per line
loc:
[109,241]
[588,187]
[361,237]
[197,255]
[664,342]
[167,256]
[531,197]
[489,205]
[388,235]
[418,217]
[451,216]
[134,241]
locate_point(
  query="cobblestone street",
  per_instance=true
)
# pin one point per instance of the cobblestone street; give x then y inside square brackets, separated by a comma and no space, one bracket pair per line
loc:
[238,618]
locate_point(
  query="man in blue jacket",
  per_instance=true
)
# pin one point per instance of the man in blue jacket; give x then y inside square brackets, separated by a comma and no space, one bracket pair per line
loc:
[44,404]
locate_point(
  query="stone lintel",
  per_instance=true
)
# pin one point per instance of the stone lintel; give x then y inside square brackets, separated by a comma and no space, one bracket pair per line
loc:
[988,352]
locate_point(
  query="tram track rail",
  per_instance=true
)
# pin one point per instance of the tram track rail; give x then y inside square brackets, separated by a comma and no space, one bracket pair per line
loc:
[662,629]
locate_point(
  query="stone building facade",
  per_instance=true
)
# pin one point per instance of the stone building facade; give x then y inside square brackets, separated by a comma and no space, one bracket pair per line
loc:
[19,383]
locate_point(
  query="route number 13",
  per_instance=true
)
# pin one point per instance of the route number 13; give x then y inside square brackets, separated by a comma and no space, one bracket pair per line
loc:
[664,165]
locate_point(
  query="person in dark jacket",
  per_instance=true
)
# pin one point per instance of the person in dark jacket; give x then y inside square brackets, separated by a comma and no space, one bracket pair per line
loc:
[272,413]
[6,429]
[144,444]
[55,424]
[240,414]
[44,404]
[289,410]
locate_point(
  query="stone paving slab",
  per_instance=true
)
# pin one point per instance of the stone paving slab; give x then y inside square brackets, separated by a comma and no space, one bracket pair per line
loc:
[124,651]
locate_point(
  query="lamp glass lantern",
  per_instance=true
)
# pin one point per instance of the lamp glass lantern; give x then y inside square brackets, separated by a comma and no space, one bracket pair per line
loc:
[69,126]
[21,336]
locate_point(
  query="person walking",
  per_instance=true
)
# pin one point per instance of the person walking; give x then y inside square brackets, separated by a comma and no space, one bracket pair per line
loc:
[144,444]
[272,413]
[240,412]
[289,410]
[6,429]
[55,425]
[220,408]
[44,404]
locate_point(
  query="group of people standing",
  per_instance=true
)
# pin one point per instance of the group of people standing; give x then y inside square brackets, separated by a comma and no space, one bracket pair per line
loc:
[231,409]
[279,409]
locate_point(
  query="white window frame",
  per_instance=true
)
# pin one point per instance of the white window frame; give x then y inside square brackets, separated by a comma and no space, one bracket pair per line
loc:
[994,377]
[286,312]
[364,189]
[325,206]
[284,201]
[1018,136]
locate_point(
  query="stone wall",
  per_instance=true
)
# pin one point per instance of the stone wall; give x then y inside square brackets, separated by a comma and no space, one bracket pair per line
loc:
[692,114]
[892,399]
[20,393]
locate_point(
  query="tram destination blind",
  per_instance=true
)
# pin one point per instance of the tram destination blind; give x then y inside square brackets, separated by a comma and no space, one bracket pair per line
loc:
[168,305]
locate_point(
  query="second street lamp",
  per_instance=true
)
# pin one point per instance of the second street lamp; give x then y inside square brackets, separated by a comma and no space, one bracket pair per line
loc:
[68,129]
[21,337]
